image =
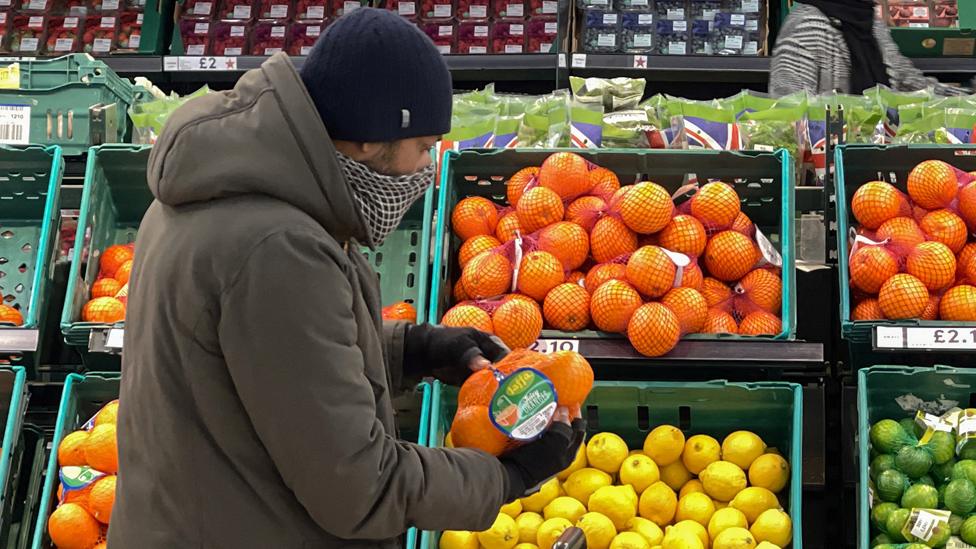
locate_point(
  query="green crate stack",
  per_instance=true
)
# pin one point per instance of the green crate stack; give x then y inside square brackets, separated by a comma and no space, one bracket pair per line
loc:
[773,410]
[13,405]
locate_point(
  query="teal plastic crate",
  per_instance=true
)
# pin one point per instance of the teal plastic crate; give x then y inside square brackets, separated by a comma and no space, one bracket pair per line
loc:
[773,410]
[763,180]
[422,436]
[13,405]
[29,480]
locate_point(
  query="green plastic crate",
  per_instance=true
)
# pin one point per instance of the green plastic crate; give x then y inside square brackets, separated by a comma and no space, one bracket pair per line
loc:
[60,92]
[421,435]
[773,410]
[764,181]
[157,23]
[13,405]
[31,478]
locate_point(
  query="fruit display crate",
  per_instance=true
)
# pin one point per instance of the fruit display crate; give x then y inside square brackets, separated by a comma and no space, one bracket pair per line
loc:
[28,482]
[73,101]
[904,342]
[774,410]
[13,405]
[420,431]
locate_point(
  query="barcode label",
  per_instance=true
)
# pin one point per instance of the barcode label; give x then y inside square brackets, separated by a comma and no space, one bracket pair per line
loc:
[516,30]
[277,32]
[28,44]
[478,49]
[271,51]
[548,6]
[202,8]
[15,124]
[479,11]
[313,30]
[36,22]
[515,10]
[110,5]
[70,23]
[108,23]
[37,5]
[442,10]
[237,30]
[63,44]
[279,11]
[448,30]
[242,12]
[233,51]
[407,8]
[134,40]
[315,12]
[680,26]
[551,27]
[201,28]
[102,45]
[481,31]
[513,48]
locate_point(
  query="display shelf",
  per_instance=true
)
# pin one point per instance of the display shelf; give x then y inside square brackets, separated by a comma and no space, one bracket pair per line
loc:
[736,353]
[688,68]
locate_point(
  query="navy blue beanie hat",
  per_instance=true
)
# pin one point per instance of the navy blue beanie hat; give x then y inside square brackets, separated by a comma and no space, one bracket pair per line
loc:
[375,77]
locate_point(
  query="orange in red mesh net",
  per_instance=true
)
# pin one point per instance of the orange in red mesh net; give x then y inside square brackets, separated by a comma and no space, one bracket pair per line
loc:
[902,234]
[651,271]
[760,323]
[760,289]
[487,274]
[516,185]
[967,204]
[690,308]
[933,184]
[872,266]
[465,315]
[567,241]
[518,323]
[716,292]
[114,257]
[567,308]
[684,234]
[507,227]
[959,304]
[105,287]
[472,428]
[946,227]
[576,277]
[585,211]
[933,263]
[603,183]
[966,263]
[401,310]
[730,255]
[692,277]
[11,315]
[474,215]
[903,296]
[931,311]
[719,322]
[612,305]
[716,205]
[566,173]
[478,389]
[653,330]
[610,239]
[646,208]
[459,293]
[602,273]
[474,246]
[876,202]
[571,375]
[103,310]
[538,273]
[743,224]
[537,208]
[867,309]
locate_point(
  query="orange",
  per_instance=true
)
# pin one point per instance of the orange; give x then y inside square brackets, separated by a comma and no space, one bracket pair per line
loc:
[101,448]
[761,288]
[872,266]
[716,293]
[105,287]
[113,257]
[468,316]
[585,211]
[459,293]
[933,184]
[123,272]
[515,186]
[730,255]
[400,310]
[473,216]
[965,267]
[653,330]
[79,496]
[719,322]
[476,245]
[684,234]
[651,271]
[508,227]
[101,545]
[108,414]
[902,234]
[602,273]
[478,389]
[518,323]
[571,375]
[867,309]
[537,208]
[610,239]
[71,450]
[903,296]
[959,304]
[487,274]
[689,307]
[472,428]
[931,311]
[101,498]
[576,277]
[933,263]
[612,305]
[538,273]
[567,307]
[967,204]
[876,202]
[743,224]
[716,205]
[569,242]
[760,323]
[566,173]
[692,276]
[603,183]
[647,208]
[72,527]
[945,227]
[103,310]
[11,315]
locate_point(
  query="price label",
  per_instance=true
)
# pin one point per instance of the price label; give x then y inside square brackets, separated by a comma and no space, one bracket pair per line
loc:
[916,25]
[39,5]
[110,5]
[444,48]
[201,28]
[202,8]
[513,48]
[551,27]
[28,44]
[609,18]
[448,30]
[710,14]
[642,41]
[350,6]
[676,14]
[579,60]
[15,124]
[478,49]
[36,22]
[515,10]
[911,337]
[242,12]
[554,345]
[313,30]
[516,30]
[64,44]
[479,11]
[237,30]
[279,11]
[549,7]
[752,25]
[678,48]
[680,26]
[645,19]
[480,31]
[750,6]
[278,32]
[738,19]
[114,338]
[318,12]
[442,10]
[70,23]
[206,63]
[407,8]
[733,42]
[195,49]
[233,51]
[102,45]
[606,40]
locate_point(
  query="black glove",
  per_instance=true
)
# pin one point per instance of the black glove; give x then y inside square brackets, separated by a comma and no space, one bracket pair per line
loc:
[530,465]
[447,352]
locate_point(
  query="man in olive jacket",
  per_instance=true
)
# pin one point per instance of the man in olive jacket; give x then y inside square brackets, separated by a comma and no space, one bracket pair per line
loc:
[257,375]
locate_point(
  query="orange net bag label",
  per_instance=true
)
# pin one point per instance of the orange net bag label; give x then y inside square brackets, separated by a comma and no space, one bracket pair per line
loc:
[524,403]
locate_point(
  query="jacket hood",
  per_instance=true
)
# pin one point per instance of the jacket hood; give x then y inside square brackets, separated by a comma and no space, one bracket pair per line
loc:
[263,137]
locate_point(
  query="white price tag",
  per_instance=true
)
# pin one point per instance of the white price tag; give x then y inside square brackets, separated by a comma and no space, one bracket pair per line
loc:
[916,25]
[680,26]
[202,8]
[606,40]
[642,41]
[407,8]
[201,28]
[4,3]
[549,7]
[64,44]
[478,11]
[271,51]
[544,47]
[237,31]
[28,44]
[134,40]
[561,60]
[610,19]
[513,48]
[233,51]
[478,49]
[448,30]
[515,10]
[278,31]
[912,337]
[350,6]
[738,19]
[551,27]
[678,48]
[750,6]
[242,12]
[306,50]
[114,338]
[752,25]
[15,124]
[317,12]
[195,49]
[920,11]
[599,2]
[554,345]
[139,19]
[206,63]
[107,23]
[110,5]
[36,22]
[645,19]
[579,60]
[675,14]
[733,42]
[279,11]
[750,48]
[313,30]
[516,29]
[709,14]
[442,10]
[480,31]
[39,5]
[444,49]
[70,23]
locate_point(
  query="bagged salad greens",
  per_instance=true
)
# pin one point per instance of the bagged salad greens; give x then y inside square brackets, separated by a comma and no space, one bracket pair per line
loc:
[768,130]
[612,94]
[703,125]
[149,117]
[546,122]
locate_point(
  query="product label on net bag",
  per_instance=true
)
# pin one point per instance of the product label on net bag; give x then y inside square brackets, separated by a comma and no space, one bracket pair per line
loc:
[523,404]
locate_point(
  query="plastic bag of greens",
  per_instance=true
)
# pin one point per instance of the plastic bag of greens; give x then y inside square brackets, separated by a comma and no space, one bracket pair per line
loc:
[586,125]
[632,129]
[509,119]
[472,125]
[546,122]
[891,100]
[919,131]
[958,127]
[613,94]
[772,129]
[148,118]
[703,126]
[660,134]
[863,118]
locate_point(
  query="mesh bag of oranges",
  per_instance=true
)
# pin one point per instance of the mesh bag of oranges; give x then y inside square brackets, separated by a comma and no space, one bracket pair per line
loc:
[87,466]
[111,288]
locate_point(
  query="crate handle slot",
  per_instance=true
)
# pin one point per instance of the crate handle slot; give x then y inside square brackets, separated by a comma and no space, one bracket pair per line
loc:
[592,418]
[643,418]
[684,418]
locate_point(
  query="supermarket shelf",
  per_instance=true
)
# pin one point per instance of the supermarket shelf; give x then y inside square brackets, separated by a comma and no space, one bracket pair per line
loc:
[732,353]
[664,68]
[18,340]
[106,340]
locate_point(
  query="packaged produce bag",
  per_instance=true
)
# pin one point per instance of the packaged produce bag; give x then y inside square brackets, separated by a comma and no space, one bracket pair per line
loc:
[704,126]
[768,130]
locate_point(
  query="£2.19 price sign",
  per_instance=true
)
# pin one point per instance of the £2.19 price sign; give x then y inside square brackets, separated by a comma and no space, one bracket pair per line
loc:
[921,337]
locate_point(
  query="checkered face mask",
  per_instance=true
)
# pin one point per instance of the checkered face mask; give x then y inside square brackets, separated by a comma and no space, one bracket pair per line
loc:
[384,199]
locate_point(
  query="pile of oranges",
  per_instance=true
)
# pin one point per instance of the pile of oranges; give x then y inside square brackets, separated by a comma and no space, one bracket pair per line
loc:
[913,258]
[401,310]
[108,293]
[88,461]
[573,249]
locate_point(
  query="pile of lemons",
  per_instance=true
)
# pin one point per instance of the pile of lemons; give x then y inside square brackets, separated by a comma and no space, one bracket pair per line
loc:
[671,494]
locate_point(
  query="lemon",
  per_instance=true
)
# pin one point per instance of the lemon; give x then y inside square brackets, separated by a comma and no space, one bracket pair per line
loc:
[503,534]
[767,545]
[550,531]
[538,501]
[690,487]
[566,507]
[606,452]
[528,524]
[723,519]
[578,463]
[742,448]
[526,546]
[695,506]
[658,504]
[675,475]
[700,451]
[650,531]
[583,483]
[719,505]
[664,444]
[512,509]
[753,501]
[773,526]
[722,480]
[562,491]
[629,540]
[598,529]
[635,452]
[618,503]
[769,471]
[678,539]
[734,538]
[457,539]
[639,471]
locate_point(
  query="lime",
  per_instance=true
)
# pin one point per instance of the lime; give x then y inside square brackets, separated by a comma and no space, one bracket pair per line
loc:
[968,530]
[960,496]
[955,523]
[887,436]
[943,446]
[891,484]
[920,496]
[925,479]
[882,462]
[914,461]
[941,472]
[896,521]
[965,468]
[968,452]
[879,515]
[881,539]
[910,427]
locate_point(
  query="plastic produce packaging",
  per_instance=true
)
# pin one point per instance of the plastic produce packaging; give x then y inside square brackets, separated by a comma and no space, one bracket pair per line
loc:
[130,31]
[275,9]
[768,130]
[671,10]
[436,9]
[637,32]
[100,33]
[473,37]
[601,30]
[543,7]
[236,9]
[199,8]
[639,6]
[672,37]
[509,8]
[508,37]
[230,37]
[27,33]
[542,33]
[311,9]
[443,34]
[472,9]
[63,35]
[196,35]
[268,37]
[302,36]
